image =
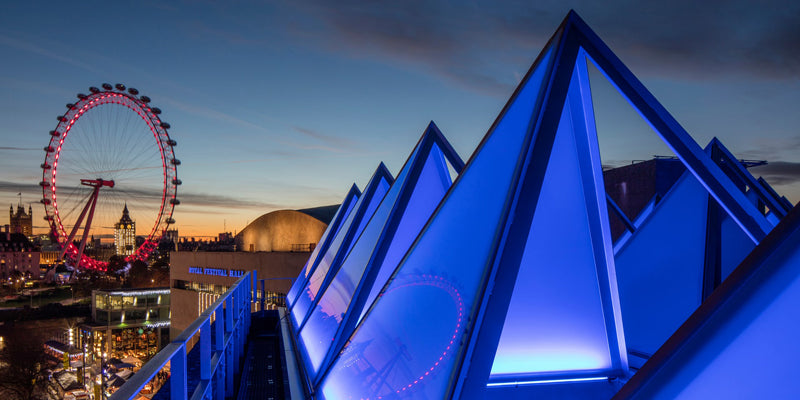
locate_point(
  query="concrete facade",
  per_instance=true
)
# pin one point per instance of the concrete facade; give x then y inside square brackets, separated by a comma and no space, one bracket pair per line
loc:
[197,279]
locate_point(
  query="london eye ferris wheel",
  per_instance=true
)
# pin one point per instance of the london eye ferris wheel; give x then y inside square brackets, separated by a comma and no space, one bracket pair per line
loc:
[109,151]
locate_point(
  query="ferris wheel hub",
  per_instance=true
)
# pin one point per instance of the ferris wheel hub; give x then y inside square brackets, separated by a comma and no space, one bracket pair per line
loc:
[96,183]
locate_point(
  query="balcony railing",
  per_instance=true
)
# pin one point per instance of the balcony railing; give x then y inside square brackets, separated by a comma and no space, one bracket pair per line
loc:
[223,329]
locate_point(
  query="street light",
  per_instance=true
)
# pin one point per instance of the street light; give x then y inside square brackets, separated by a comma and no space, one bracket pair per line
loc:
[103,375]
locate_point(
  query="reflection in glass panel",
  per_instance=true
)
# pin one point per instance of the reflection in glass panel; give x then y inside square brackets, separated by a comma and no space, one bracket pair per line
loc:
[324,242]
[410,339]
[319,331]
[308,296]
[430,188]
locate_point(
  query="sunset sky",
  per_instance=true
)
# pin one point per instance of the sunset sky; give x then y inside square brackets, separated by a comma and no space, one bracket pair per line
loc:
[284,104]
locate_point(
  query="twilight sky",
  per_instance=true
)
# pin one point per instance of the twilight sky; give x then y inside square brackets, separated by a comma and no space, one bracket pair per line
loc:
[284,104]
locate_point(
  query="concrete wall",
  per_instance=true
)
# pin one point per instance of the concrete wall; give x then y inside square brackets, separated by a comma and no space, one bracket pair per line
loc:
[181,301]
[279,269]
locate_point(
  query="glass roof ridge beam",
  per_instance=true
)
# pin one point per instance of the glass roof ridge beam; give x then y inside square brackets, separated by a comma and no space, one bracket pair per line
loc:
[769,197]
[673,134]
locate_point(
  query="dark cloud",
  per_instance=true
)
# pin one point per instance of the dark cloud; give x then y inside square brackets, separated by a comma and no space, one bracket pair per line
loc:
[19,148]
[219,201]
[201,200]
[20,187]
[189,199]
[775,149]
[334,141]
[470,42]
[779,173]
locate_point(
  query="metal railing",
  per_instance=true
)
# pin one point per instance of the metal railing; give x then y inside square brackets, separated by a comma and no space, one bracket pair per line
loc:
[218,365]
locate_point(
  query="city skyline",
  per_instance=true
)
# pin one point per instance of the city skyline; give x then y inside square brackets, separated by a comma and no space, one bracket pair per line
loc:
[277,105]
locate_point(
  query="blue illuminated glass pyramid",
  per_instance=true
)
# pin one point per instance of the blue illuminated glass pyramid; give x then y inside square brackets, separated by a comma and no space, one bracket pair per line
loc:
[415,337]
[511,285]
[324,243]
[341,244]
[416,192]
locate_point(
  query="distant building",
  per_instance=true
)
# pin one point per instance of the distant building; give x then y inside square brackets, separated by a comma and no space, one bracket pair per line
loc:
[285,230]
[21,222]
[225,236]
[127,323]
[125,234]
[276,245]
[17,256]
[632,187]
[171,235]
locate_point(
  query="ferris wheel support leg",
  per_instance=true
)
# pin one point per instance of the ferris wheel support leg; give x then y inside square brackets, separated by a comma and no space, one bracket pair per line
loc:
[92,199]
[88,224]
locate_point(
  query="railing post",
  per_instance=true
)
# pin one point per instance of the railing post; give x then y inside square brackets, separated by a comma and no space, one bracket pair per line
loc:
[177,379]
[228,315]
[229,372]
[263,293]
[219,383]
[219,328]
[228,349]
[253,287]
[205,350]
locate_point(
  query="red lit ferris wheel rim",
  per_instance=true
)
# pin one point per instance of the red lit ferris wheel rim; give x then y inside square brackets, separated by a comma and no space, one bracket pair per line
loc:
[164,144]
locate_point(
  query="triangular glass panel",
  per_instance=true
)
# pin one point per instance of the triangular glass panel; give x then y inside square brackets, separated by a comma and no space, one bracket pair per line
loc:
[418,189]
[324,242]
[340,246]
[559,283]
[747,322]
[660,267]
[410,340]
[679,254]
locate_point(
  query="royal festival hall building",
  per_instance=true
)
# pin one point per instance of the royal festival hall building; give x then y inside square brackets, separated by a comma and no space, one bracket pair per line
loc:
[502,278]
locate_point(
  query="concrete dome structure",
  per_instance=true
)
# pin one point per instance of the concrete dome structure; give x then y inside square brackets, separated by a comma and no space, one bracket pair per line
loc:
[282,230]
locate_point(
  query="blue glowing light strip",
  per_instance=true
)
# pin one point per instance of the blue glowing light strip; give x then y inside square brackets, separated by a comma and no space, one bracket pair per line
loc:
[140,292]
[545,381]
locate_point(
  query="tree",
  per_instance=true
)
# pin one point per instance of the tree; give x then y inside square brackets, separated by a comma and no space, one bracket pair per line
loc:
[141,275]
[24,363]
[116,263]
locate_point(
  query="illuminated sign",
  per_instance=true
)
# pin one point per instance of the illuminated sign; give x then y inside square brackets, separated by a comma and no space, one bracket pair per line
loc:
[216,271]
